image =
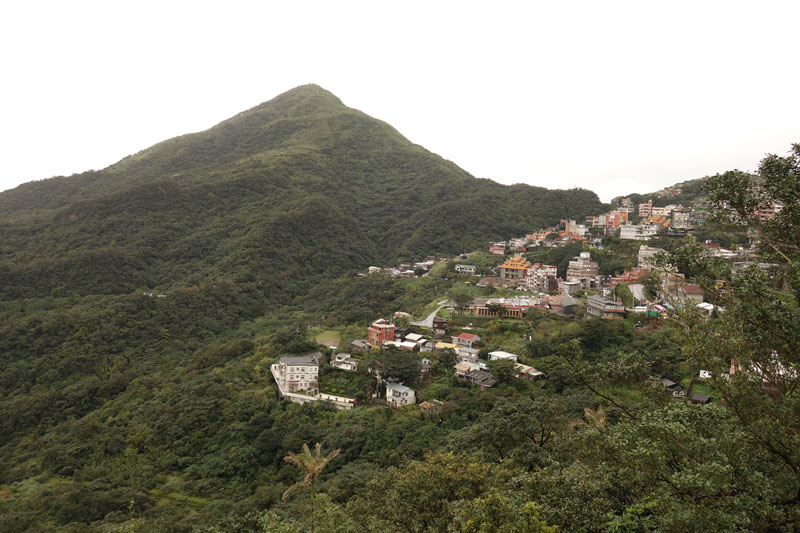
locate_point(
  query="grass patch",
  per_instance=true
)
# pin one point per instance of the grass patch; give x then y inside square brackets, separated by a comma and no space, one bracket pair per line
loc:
[345,383]
[328,337]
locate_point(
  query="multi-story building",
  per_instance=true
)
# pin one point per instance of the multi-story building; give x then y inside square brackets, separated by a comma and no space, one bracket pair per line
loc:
[515,268]
[682,220]
[497,248]
[398,394]
[297,374]
[646,209]
[599,307]
[582,267]
[646,254]
[641,232]
[380,332]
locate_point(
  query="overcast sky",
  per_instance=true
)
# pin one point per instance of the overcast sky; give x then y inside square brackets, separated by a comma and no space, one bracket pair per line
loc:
[617,97]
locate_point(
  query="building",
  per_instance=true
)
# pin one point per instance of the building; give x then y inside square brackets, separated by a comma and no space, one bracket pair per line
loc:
[646,254]
[399,395]
[467,354]
[497,248]
[562,304]
[690,293]
[466,339]
[682,220]
[344,361]
[499,354]
[599,307]
[440,326]
[528,372]
[360,345]
[297,375]
[466,269]
[582,267]
[481,378]
[641,232]
[646,209]
[665,211]
[515,268]
[569,288]
[380,332]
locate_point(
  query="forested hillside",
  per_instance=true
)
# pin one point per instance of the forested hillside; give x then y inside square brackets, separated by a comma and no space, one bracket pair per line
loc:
[142,306]
[295,187]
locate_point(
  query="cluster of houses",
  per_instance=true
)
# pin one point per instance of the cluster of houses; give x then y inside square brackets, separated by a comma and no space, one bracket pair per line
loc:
[297,377]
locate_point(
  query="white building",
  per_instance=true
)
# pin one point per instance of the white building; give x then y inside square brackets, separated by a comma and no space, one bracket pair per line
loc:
[344,361]
[466,269]
[646,254]
[641,232]
[398,394]
[297,374]
[499,354]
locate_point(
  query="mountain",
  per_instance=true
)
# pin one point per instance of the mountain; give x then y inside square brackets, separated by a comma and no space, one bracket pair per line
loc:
[295,187]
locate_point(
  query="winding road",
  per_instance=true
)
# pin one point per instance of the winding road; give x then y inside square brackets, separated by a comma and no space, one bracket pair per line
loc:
[428,321]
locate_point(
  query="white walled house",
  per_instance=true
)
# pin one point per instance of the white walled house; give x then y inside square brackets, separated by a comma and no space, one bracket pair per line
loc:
[298,375]
[398,394]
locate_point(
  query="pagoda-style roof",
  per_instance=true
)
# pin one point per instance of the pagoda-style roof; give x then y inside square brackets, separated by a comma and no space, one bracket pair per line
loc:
[516,263]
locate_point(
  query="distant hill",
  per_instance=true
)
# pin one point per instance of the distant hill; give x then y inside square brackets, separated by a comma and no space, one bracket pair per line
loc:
[687,193]
[297,187]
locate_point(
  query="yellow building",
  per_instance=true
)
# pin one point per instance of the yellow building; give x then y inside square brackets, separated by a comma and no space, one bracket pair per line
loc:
[514,268]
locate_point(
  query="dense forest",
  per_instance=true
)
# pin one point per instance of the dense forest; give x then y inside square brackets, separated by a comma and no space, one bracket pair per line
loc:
[142,305]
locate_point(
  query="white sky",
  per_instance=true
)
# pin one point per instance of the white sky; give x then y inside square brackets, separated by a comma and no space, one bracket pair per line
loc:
[617,97]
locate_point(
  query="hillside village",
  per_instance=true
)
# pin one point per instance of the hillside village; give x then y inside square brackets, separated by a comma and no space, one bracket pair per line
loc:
[445,343]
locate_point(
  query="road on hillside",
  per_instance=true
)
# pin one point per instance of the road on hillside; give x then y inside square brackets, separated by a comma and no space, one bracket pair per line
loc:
[637,289]
[428,321]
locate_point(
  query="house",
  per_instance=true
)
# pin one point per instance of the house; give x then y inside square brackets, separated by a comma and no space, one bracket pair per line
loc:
[380,332]
[360,345]
[467,354]
[299,375]
[440,326]
[528,372]
[499,354]
[599,307]
[446,346]
[466,269]
[462,367]
[481,378]
[399,395]
[691,293]
[466,339]
[497,248]
[400,334]
[562,304]
[700,399]
[425,366]
[646,255]
[569,288]
[344,361]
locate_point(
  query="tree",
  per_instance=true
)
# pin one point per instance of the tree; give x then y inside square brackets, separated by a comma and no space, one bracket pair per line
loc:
[312,465]
[461,299]
[397,364]
[758,334]
[503,370]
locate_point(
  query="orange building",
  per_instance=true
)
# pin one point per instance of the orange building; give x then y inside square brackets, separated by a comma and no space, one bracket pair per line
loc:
[379,332]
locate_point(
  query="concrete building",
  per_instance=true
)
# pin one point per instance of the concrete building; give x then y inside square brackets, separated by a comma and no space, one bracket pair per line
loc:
[380,332]
[581,267]
[399,395]
[599,307]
